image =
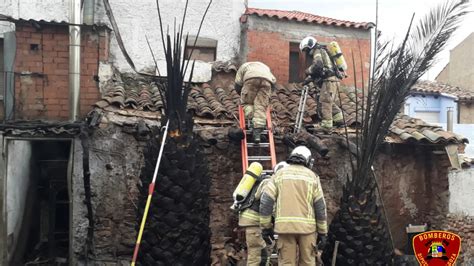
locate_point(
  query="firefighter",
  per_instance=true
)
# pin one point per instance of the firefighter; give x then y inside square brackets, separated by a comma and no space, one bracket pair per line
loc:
[254,82]
[258,251]
[300,213]
[323,73]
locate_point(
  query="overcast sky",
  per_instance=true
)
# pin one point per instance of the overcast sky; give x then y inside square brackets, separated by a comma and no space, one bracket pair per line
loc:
[394,17]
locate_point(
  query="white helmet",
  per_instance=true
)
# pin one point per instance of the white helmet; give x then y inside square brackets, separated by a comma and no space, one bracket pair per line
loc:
[279,166]
[308,42]
[301,154]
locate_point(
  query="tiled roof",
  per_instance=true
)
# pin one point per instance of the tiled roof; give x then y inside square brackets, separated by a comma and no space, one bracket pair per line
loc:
[218,102]
[224,66]
[408,129]
[432,87]
[221,104]
[306,17]
[40,128]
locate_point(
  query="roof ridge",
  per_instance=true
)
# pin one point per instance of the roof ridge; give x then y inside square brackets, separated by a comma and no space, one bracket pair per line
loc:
[305,16]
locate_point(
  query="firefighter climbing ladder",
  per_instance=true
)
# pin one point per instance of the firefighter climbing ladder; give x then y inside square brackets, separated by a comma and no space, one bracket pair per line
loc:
[249,148]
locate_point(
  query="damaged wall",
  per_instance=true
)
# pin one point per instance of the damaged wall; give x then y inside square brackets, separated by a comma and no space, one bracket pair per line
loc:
[41,66]
[18,188]
[414,185]
[115,164]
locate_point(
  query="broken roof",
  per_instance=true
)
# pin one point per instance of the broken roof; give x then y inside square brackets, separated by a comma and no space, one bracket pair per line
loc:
[306,17]
[220,105]
[437,88]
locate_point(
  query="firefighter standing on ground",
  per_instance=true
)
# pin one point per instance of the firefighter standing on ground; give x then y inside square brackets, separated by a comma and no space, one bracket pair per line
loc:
[249,218]
[254,81]
[300,210]
[324,70]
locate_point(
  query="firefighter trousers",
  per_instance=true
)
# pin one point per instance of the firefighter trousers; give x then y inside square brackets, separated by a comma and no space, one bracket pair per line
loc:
[255,99]
[330,112]
[288,246]
[257,252]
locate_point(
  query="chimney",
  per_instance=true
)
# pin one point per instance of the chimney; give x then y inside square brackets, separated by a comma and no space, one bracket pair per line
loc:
[450,119]
[74,59]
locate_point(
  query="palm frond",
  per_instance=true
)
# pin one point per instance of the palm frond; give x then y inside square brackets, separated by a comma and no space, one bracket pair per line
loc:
[396,70]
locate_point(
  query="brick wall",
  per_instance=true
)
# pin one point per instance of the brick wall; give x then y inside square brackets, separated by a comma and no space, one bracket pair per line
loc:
[273,49]
[42,66]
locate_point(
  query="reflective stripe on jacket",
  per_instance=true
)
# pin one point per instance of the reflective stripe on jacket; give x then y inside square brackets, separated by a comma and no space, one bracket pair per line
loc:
[250,216]
[297,192]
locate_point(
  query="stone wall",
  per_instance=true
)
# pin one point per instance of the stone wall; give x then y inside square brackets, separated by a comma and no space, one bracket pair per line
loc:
[115,159]
[464,227]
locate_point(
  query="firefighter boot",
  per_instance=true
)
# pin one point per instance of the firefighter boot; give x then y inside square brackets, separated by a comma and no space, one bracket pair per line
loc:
[256,135]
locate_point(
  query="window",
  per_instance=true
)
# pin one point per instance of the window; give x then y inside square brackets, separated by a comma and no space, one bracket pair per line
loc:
[205,49]
[299,62]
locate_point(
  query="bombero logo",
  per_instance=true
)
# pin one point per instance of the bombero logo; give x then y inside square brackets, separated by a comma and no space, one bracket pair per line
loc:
[435,248]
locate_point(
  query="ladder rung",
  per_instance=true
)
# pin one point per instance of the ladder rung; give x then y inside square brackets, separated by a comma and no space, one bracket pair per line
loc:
[263,145]
[259,158]
[251,131]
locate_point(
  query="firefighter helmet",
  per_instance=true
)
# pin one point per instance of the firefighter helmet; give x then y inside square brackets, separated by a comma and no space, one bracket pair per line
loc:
[279,166]
[301,154]
[308,43]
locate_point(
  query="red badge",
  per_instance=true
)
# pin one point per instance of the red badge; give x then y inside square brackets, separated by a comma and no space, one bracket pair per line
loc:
[435,248]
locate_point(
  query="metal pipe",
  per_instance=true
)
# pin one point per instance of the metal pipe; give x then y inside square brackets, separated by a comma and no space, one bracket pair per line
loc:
[88,15]
[450,119]
[74,59]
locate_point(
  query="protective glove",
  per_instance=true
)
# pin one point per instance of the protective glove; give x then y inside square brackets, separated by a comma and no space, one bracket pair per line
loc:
[238,88]
[322,241]
[267,235]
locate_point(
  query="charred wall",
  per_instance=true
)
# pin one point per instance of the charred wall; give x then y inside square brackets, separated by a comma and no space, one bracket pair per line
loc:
[115,161]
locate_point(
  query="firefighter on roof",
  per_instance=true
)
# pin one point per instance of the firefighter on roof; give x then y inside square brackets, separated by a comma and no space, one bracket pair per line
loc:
[254,82]
[300,212]
[326,71]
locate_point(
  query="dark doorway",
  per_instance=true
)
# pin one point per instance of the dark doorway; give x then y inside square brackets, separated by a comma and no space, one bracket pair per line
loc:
[299,62]
[44,236]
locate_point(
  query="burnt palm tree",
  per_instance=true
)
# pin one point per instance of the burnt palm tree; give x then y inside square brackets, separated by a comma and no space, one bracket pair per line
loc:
[177,228]
[360,225]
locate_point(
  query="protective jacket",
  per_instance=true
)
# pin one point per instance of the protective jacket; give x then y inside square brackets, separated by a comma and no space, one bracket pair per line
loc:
[250,216]
[299,199]
[252,70]
[322,66]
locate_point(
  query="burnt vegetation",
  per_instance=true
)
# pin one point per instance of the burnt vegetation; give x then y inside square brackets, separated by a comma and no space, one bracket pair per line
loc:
[360,225]
[177,229]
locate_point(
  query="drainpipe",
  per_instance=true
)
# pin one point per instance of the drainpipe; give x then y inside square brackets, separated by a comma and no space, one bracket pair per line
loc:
[450,119]
[74,59]
[88,15]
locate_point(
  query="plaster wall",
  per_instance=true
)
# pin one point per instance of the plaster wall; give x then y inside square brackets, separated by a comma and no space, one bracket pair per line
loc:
[140,19]
[18,183]
[461,188]
[430,103]
[460,74]
[466,113]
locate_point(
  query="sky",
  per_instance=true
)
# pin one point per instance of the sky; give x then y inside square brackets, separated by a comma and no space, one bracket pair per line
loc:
[393,18]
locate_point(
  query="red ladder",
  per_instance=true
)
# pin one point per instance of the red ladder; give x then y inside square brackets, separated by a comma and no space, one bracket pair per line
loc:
[255,148]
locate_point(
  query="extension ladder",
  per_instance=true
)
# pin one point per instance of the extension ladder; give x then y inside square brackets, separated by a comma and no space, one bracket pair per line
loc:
[251,152]
[301,107]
